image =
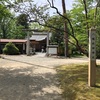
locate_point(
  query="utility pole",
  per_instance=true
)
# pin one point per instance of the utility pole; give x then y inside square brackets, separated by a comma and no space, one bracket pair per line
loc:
[65,29]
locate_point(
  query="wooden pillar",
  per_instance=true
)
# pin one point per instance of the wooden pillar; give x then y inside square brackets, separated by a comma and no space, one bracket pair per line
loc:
[92,57]
[47,51]
[28,45]
[23,46]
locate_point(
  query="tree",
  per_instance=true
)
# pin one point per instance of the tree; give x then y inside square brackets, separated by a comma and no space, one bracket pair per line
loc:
[36,26]
[10,49]
[79,23]
[71,33]
[40,15]
[97,25]
[65,29]
[11,27]
[5,21]
[57,37]
[22,20]
[8,25]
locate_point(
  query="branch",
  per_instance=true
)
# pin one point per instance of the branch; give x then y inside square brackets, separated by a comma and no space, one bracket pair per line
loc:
[86,15]
[52,6]
[77,43]
[85,8]
[98,3]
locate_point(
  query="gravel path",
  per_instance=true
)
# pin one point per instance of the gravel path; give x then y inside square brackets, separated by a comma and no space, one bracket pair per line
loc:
[31,77]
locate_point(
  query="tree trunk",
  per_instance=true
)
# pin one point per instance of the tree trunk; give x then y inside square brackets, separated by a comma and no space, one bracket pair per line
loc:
[86,16]
[65,29]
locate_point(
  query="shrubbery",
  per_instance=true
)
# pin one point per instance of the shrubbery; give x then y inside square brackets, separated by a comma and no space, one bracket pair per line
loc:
[10,49]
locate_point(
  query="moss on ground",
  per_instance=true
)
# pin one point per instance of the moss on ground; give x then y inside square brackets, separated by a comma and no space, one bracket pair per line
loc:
[73,81]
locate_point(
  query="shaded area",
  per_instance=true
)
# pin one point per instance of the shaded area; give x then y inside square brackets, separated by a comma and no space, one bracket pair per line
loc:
[22,84]
[27,63]
[98,76]
[73,80]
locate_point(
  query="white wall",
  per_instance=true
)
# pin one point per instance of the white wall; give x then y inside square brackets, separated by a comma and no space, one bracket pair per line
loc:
[52,50]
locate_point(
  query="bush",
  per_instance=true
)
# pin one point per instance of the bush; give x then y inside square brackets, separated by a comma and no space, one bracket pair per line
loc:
[10,49]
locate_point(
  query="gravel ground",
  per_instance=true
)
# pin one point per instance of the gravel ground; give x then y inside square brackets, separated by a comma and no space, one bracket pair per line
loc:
[31,77]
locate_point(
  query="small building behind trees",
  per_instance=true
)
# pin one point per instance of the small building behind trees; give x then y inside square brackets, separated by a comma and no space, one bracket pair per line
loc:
[19,43]
[38,42]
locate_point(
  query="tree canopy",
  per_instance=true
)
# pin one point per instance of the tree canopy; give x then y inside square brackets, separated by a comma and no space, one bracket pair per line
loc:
[84,15]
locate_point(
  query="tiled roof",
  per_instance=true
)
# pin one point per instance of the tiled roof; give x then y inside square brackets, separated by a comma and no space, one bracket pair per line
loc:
[13,40]
[38,37]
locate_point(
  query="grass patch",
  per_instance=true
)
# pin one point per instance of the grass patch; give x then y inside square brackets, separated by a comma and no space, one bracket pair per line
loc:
[73,81]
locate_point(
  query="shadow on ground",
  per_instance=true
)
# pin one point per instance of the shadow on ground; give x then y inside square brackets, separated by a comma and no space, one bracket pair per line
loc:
[21,84]
[28,63]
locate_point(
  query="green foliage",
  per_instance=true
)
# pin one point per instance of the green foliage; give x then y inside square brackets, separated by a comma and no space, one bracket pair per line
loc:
[80,23]
[22,20]
[10,49]
[6,27]
[6,22]
[4,12]
[13,28]
[97,23]
[9,28]
[57,35]
[36,26]
[17,32]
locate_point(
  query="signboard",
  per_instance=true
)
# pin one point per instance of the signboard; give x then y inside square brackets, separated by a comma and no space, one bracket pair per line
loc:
[92,44]
[52,49]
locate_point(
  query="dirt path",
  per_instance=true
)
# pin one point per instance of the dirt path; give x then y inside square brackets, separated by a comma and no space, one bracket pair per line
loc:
[31,77]
[27,78]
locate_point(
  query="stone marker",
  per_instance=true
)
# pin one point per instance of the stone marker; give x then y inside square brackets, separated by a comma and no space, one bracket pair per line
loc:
[92,57]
